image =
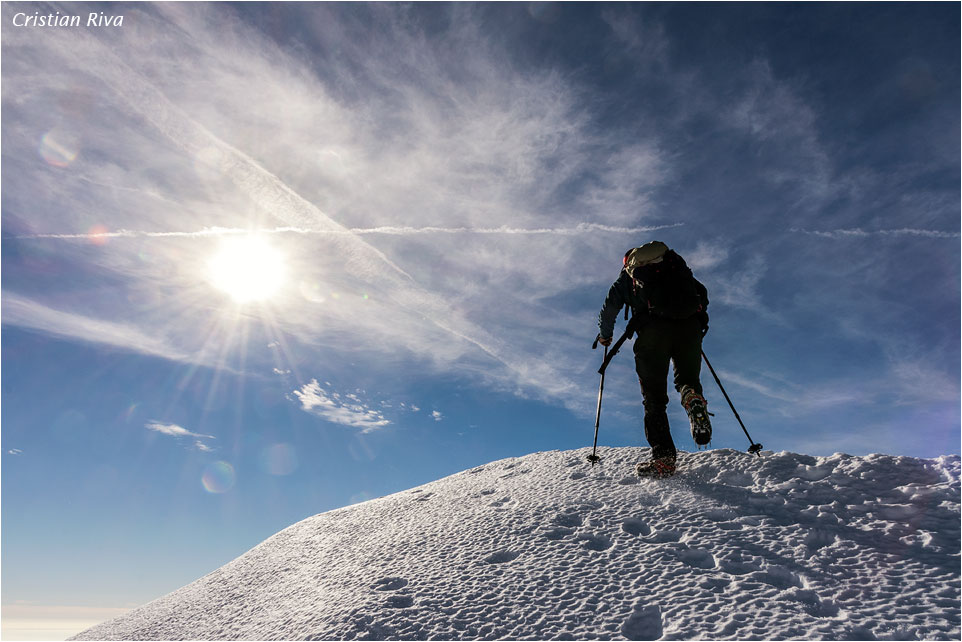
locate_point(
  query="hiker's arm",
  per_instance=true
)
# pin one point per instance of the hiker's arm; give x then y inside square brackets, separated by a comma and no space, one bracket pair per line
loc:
[612,306]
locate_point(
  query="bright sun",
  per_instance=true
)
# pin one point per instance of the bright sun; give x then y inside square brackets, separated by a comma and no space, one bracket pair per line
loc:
[247,268]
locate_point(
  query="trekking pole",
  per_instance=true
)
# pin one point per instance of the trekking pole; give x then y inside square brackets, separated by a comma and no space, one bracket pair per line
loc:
[615,347]
[754,448]
[609,355]
[593,457]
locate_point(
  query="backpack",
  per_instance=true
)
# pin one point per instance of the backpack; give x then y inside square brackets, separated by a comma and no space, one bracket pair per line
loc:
[668,287]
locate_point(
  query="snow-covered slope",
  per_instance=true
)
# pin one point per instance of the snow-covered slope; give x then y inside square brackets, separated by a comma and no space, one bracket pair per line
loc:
[544,547]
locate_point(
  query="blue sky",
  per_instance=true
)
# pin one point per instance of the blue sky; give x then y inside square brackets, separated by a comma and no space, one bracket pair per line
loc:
[447,190]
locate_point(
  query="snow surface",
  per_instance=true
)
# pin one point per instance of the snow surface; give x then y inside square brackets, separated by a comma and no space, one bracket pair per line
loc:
[545,547]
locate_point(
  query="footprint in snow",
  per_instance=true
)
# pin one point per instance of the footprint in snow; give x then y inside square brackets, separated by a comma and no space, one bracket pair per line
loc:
[400,601]
[568,519]
[595,542]
[501,557]
[643,624]
[390,584]
[636,527]
[697,557]
[663,537]
[558,533]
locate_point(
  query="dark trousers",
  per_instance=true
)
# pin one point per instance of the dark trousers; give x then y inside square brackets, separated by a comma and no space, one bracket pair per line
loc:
[659,342]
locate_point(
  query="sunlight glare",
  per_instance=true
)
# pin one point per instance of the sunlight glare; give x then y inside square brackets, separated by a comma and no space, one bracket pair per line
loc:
[248,269]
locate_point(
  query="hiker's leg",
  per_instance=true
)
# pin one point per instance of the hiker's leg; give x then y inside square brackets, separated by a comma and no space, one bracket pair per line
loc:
[686,354]
[652,357]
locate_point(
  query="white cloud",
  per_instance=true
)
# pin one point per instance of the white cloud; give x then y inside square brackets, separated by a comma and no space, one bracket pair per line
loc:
[437,416]
[173,430]
[346,410]
[740,286]
[26,313]
[706,256]
[14,451]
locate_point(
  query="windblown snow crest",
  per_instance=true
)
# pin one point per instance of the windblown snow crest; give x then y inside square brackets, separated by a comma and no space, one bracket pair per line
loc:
[545,547]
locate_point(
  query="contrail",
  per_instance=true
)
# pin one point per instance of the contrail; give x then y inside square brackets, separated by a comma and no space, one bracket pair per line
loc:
[582,228]
[859,232]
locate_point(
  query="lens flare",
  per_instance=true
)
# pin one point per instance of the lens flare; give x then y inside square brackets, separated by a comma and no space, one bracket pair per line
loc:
[311,291]
[218,477]
[58,148]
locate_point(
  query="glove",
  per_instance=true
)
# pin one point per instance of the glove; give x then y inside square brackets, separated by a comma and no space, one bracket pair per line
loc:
[703,321]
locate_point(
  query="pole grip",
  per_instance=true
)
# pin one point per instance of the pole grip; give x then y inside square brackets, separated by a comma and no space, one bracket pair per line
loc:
[630,330]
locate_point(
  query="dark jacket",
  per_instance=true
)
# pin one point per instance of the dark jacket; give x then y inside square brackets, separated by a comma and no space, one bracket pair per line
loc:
[643,296]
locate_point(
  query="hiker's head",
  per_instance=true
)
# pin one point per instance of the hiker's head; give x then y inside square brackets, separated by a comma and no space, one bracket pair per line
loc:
[648,254]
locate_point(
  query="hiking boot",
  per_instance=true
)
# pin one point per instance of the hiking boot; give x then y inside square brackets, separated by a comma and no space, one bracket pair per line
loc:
[662,467]
[697,409]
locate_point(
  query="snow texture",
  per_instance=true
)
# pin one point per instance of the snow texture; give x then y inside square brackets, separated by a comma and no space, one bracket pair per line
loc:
[546,547]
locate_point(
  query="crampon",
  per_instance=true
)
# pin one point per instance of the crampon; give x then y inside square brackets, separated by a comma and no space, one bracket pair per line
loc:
[697,409]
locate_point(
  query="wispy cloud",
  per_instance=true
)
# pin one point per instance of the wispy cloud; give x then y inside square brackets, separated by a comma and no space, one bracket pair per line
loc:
[27,313]
[436,415]
[796,398]
[346,410]
[706,256]
[173,430]
[740,286]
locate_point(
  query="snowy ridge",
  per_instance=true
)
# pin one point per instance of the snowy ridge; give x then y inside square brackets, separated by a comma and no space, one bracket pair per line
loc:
[545,547]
